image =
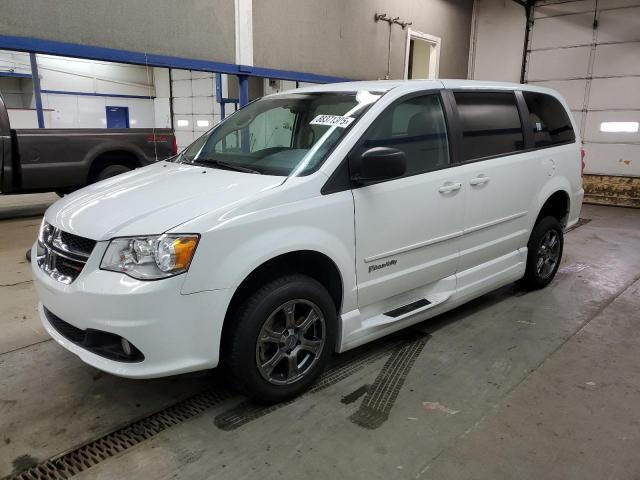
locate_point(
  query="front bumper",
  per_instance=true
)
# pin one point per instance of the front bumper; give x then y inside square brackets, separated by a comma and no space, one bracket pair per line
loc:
[176,333]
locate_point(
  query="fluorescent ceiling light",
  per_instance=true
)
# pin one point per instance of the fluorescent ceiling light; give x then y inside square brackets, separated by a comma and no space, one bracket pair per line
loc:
[183,123]
[626,127]
[203,123]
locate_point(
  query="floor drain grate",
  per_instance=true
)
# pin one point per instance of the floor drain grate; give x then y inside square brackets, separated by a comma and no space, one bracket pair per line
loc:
[94,452]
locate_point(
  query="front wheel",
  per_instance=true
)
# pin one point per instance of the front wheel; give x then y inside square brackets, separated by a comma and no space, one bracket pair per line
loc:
[282,338]
[544,253]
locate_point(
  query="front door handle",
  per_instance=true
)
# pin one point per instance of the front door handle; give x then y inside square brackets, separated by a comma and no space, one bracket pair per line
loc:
[450,187]
[479,180]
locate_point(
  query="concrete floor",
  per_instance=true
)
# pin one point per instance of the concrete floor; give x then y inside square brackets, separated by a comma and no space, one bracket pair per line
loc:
[538,385]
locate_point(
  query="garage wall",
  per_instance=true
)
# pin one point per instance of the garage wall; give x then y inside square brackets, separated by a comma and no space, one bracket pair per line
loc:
[590,52]
[498,41]
[76,92]
[340,38]
[202,29]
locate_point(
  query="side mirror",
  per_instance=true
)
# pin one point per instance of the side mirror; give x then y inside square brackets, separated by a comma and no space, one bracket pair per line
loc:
[379,163]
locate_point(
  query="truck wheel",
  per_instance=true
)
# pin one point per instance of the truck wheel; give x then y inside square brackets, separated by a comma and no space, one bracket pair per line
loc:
[282,337]
[111,171]
[544,255]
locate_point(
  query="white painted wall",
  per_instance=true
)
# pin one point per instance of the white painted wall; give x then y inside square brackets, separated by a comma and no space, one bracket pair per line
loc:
[497,41]
[26,118]
[79,111]
[17,62]
[162,102]
[86,77]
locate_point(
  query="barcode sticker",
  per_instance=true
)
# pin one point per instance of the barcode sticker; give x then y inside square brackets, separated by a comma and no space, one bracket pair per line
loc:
[332,120]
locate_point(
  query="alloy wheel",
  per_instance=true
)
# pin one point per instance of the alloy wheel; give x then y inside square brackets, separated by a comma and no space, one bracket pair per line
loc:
[290,342]
[548,254]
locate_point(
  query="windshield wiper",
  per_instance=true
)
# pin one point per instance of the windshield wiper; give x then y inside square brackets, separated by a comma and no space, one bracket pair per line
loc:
[226,165]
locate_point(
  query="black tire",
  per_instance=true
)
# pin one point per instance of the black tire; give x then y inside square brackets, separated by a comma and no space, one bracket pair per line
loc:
[242,350]
[538,251]
[111,171]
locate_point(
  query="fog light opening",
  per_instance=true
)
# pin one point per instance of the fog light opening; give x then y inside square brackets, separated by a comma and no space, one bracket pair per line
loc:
[126,346]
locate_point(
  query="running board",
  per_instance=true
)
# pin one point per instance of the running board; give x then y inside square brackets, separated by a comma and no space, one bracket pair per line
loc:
[409,307]
[405,311]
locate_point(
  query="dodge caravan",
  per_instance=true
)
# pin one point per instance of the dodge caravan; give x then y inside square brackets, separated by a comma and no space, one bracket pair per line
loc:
[311,222]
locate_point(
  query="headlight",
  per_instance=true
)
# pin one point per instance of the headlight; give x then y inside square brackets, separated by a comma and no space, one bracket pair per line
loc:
[44,232]
[43,236]
[150,257]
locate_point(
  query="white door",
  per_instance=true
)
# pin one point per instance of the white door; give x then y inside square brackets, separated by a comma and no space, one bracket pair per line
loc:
[407,229]
[499,179]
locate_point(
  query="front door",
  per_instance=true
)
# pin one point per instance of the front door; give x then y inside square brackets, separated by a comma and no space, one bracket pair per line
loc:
[408,229]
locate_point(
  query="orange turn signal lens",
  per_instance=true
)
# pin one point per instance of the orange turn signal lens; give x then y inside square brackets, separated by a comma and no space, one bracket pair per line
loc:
[184,249]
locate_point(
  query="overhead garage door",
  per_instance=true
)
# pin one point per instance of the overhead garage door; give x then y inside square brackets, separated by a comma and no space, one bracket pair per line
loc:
[589,50]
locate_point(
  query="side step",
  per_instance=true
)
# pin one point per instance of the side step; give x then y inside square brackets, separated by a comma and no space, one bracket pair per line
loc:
[405,311]
[409,307]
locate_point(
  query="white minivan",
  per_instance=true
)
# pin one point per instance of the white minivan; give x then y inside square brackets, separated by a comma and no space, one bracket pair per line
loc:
[310,222]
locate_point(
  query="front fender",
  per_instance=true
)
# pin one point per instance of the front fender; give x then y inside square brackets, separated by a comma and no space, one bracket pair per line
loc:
[229,252]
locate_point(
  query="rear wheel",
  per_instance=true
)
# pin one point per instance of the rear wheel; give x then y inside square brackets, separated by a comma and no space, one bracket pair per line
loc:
[282,338]
[111,171]
[544,253]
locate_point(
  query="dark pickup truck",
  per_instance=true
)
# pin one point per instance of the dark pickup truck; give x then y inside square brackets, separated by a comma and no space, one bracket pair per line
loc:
[63,160]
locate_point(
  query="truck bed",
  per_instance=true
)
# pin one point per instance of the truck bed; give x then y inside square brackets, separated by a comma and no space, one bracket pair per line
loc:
[64,159]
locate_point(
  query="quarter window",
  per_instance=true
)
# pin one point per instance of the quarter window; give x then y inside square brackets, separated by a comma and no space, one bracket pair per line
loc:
[417,127]
[490,124]
[550,122]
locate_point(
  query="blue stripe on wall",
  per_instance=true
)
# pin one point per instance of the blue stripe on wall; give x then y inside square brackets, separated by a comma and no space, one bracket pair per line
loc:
[15,75]
[52,47]
[89,94]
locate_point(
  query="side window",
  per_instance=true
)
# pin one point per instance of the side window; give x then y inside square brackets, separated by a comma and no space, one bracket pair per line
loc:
[416,126]
[551,124]
[490,124]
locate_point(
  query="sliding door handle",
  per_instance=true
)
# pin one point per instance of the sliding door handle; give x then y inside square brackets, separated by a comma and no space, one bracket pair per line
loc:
[479,180]
[450,187]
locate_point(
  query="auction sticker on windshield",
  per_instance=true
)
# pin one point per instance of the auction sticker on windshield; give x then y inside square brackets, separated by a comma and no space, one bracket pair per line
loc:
[331,120]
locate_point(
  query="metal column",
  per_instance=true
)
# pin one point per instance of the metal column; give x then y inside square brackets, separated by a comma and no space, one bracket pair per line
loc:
[243,87]
[36,89]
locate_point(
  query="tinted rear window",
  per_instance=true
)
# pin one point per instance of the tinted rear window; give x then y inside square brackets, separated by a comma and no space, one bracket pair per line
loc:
[550,121]
[490,124]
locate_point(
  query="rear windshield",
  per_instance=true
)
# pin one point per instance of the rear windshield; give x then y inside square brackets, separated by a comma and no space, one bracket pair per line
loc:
[289,134]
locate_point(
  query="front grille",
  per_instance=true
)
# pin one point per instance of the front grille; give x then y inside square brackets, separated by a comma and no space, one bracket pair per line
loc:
[77,244]
[62,255]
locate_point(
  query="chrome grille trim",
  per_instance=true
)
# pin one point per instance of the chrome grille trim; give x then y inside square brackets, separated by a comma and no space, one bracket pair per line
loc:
[57,259]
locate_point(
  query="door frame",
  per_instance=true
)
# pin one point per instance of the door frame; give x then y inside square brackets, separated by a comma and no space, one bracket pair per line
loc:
[434,60]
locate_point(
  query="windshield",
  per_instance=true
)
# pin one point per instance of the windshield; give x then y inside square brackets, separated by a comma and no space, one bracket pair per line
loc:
[289,134]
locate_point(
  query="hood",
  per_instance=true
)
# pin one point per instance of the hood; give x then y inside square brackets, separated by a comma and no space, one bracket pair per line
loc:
[153,199]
